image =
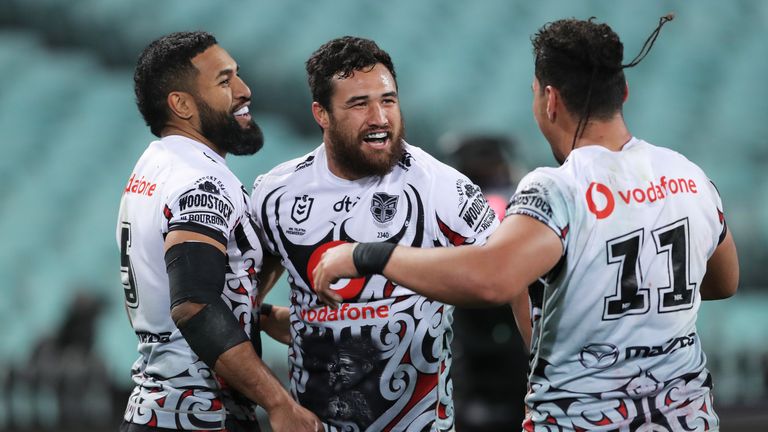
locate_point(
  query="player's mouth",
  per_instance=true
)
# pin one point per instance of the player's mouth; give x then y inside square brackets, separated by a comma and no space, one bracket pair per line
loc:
[243,114]
[378,139]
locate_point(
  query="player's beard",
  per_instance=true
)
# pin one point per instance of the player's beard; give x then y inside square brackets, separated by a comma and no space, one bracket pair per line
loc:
[348,152]
[223,130]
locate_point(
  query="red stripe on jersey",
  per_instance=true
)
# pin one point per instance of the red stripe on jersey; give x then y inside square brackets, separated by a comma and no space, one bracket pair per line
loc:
[622,409]
[216,404]
[425,383]
[528,424]
[603,421]
[388,288]
[455,238]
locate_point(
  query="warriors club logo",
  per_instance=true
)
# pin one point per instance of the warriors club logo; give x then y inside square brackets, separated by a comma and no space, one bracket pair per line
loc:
[301,207]
[384,207]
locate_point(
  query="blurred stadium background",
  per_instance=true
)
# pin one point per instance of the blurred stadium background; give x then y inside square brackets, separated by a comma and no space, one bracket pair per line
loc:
[70,134]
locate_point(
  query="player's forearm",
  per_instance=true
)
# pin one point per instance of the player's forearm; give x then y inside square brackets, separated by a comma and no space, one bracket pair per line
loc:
[451,275]
[522,311]
[242,369]
[271,270]
[518,253]
[277,324]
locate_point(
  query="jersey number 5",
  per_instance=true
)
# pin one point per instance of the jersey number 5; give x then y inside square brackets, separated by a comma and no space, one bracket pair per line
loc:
[126,269]
[630,298]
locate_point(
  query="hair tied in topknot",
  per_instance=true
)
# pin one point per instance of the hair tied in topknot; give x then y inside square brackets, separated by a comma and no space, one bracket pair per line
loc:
[650,41]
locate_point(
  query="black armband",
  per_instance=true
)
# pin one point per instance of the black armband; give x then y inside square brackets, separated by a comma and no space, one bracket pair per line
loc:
[196,272]
[212,331]
[371,258]
[265,309]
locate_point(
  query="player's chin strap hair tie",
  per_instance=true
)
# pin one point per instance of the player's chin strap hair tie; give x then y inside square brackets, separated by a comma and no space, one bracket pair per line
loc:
[196,274]
[582,125]
[371,258]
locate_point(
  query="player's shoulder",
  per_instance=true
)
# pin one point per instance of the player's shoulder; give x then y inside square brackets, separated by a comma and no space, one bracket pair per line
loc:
[190,185]
[293,170]
[418,163]
[562,177]
[192,165]
[671,158]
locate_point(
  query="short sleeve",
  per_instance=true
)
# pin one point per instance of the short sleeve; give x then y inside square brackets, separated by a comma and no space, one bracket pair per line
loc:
[539,196]
[463,215]
[202,206]
[257,213]
[720,213]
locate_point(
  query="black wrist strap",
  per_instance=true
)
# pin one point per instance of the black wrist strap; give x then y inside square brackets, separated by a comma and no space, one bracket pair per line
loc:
[265,309]
[371,258]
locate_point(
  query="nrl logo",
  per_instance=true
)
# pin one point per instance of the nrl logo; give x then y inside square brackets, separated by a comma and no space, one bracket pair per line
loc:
[301,208]
[384,207]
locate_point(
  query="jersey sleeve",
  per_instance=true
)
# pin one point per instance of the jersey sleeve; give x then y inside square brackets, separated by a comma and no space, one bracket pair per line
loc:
[257,212]
[203,206]
[539,196]
[463,215]
[723,227]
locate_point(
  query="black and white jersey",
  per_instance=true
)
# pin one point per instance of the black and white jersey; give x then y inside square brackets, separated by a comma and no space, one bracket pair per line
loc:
[181,184]
[381,361]
[614,340]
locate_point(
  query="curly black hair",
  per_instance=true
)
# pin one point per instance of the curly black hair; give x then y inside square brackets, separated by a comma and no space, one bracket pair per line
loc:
[342,56]
[573,55]
[164,66]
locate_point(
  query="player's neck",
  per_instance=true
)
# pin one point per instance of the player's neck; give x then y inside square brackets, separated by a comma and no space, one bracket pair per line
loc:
[192,134]
[612,134]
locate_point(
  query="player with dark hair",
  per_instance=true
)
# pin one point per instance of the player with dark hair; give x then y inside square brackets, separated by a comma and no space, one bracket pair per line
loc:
[188,250]
[627,237]
[366,183]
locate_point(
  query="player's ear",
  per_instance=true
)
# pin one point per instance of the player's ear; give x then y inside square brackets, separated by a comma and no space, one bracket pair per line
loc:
[321,115]
[553,98]
[626,91]
[181,104]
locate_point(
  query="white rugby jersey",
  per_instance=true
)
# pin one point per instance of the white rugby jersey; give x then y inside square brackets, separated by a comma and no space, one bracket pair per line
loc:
[614,340]
[181,184]
[381,361]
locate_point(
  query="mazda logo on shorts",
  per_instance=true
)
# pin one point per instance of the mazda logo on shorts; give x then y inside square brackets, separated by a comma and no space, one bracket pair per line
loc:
[598,355]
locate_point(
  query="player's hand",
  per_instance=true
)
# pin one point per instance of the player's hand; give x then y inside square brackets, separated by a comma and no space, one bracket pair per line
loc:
[336,263]
[293,417]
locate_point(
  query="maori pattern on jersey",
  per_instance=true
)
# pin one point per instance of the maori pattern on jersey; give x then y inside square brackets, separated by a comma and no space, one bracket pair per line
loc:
[361,372]
[179,402]
[184,399]
[680,404]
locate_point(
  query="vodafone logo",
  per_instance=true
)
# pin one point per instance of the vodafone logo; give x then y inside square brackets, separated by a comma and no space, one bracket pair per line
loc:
[347,288]
[140,186]
[600,200]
